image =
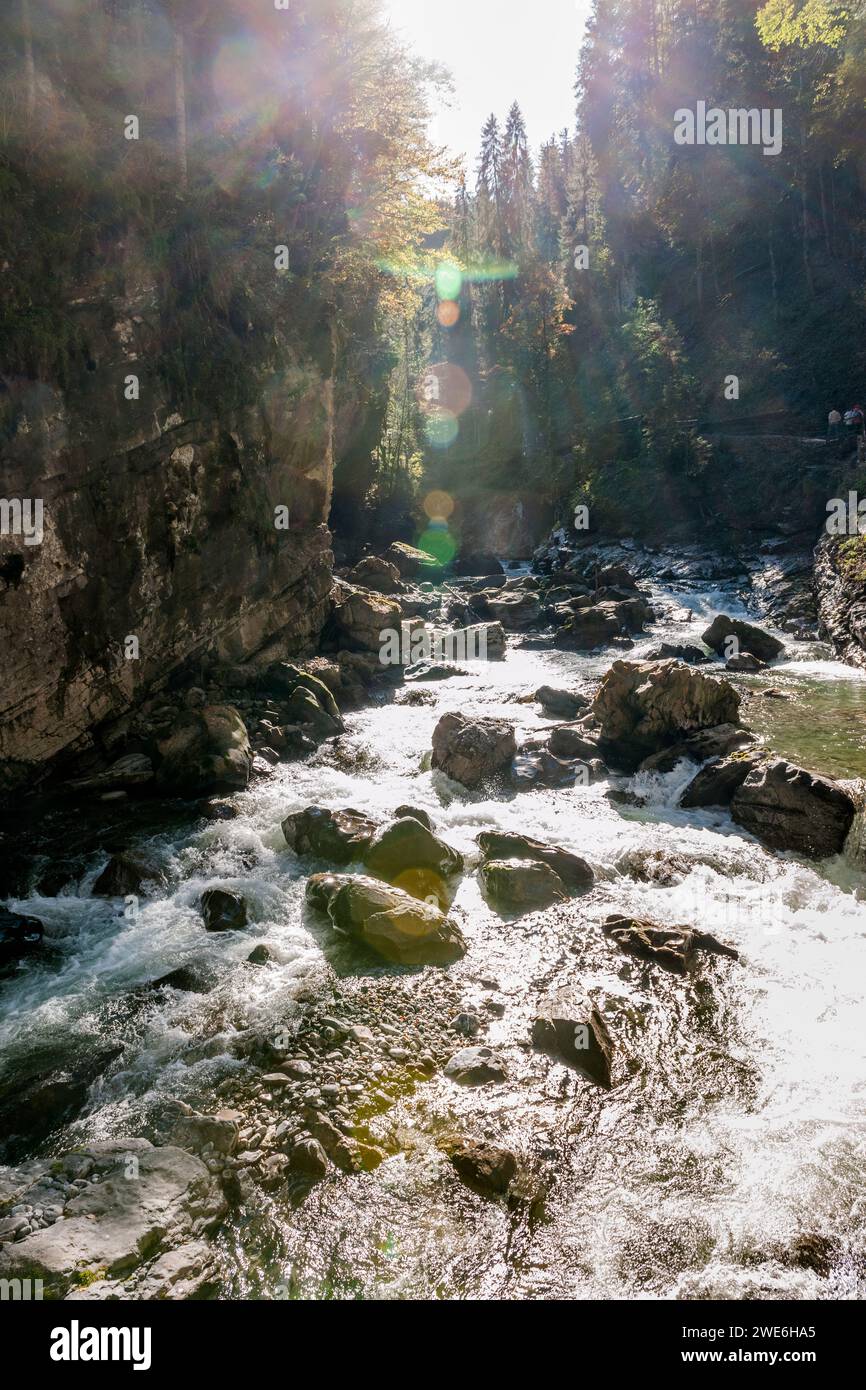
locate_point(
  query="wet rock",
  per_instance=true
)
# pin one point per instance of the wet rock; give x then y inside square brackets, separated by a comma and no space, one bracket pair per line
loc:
[573,871]
[339,836]
[745,663]
[119,1222]
[569,1027]
[572,741]
[787,808]
[48,1086]
[260,955]
[190,979]
[715,784]
[717,742]
[18,935]
[414,814]
[127,873]
[375,573]
[530,770]
[749,638]
[677,651]
[478,563]
[816,1252]
[308,1159]
[673,948]
[361,617]
[222,910]
[467,1024]
[407,844]
[284,680]
[475,1066]
[131,772]
[471,751]
[386,919]
[561,704]
[522,885]
[643,707]
[617,576]
[485,1168]
[305,710]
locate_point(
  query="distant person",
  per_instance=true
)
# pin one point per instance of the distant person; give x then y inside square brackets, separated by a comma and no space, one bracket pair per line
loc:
[854,419]
[834,423]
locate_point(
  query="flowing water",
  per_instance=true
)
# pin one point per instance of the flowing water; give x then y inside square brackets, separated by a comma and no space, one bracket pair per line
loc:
[737,1121]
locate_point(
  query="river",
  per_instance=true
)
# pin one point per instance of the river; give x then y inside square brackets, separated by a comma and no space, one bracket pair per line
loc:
[736,1125]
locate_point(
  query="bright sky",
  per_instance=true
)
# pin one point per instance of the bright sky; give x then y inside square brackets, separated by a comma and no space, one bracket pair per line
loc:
[498,51]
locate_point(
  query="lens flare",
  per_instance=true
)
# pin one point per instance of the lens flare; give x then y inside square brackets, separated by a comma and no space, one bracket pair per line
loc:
[449,281]
[438,541]
[448,313]
[441,429]
[438,505]
[445,387]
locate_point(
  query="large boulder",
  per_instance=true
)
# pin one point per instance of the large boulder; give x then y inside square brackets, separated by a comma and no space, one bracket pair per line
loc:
[47,1085]
[522,885]
[138,1202]
[412,562]
[127,871]
[572,741]
[748,637]
[569,1027]
[406,844]
[389,921]
[642,707]
[787,808]
[573,871]
[375,573]
[339,836]
[673,948]
[206,750]
[361,617]
[484,1167]
[471,751]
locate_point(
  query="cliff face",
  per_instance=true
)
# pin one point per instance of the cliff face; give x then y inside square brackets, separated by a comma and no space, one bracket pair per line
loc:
[840,584]
[161,543]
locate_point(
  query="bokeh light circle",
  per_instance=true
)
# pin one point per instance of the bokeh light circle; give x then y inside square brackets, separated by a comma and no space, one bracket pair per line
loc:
[448,312]
[441,428]
[438,505]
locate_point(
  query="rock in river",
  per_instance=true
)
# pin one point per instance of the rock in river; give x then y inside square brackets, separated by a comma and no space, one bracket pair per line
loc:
[521,885]
[787,808]
[484,1167]
[472,750]
[569,1027]
[339,836]
[643,707]
[673,948]
[475,1066]
[407,844]
[748,638]
[222,910]
[18,934]
[389,921]
[205,750]
[571,869]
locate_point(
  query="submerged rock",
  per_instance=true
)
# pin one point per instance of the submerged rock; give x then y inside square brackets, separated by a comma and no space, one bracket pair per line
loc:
[748,637]
[388,920]
[485,1168]
[643,707]
[573,871]
[569,1027]
[673,948]
[787,808]
[470,751]
[522,885]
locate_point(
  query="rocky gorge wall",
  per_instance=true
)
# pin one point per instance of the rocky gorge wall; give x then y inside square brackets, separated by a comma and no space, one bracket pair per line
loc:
[160,540]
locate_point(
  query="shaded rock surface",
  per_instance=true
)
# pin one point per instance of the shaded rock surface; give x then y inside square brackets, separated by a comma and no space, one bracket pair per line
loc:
[570,1028]
[472,750]
[787,808]
[748,637]
[642,707]
[673,948]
